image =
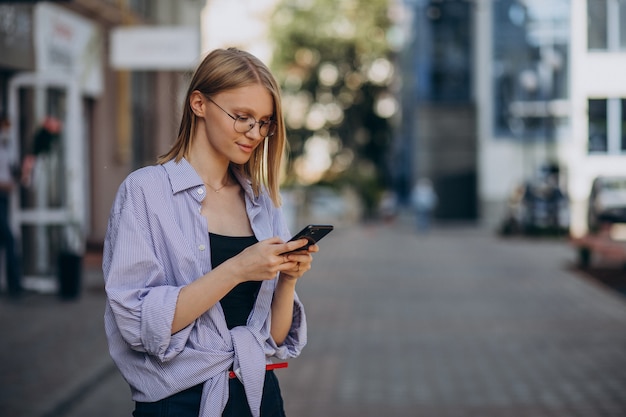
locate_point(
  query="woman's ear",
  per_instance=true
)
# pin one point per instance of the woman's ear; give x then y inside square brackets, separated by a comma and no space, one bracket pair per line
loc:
[197,102]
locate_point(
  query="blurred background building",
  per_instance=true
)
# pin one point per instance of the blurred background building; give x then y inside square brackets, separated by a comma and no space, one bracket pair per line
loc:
[110,73]
[493,100]
[511,94]
[438,135]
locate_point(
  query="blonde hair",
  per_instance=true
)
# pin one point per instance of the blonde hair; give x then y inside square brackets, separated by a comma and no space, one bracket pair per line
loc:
[228,69]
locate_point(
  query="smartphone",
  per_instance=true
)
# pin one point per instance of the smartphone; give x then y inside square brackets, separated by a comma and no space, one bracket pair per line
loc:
[313,233]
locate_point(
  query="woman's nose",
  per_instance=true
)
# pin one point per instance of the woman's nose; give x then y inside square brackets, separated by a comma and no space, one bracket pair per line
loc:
[255,132]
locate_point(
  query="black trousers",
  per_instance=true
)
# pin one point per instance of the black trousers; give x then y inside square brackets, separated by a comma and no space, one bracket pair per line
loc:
[187,403]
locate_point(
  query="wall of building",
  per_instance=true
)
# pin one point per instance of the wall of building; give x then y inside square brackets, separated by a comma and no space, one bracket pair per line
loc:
[114,148]
[505,162]
[594,75]
[439,115]
[132,117]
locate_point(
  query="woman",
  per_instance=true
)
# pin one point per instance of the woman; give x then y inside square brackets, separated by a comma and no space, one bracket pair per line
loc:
[199,292]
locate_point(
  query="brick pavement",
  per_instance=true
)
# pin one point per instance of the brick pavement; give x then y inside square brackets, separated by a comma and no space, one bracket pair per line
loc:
[54,351]
[457,323]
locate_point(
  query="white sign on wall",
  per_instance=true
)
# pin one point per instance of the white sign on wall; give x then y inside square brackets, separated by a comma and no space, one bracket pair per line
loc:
[68,44]
[155,48]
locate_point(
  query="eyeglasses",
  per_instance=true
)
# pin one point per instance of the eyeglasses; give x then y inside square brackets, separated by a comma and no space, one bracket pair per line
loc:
[244,124]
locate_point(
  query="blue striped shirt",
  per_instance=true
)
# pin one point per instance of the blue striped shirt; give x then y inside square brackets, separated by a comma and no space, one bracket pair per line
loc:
[157,242]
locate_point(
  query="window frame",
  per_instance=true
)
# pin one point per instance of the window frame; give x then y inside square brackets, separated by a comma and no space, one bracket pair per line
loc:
[611,24]
[615,126]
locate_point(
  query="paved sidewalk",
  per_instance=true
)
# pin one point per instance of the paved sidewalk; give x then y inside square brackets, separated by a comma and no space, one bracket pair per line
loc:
[456,323]
[54,351]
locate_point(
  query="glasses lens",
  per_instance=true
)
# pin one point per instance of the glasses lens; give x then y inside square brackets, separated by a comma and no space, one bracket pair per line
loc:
[267,128]
[244,124]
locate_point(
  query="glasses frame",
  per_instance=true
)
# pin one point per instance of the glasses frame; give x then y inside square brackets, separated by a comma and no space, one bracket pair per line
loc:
[262,123]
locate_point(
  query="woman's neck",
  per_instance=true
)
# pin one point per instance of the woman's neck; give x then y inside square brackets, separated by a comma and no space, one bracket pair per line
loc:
[213,171]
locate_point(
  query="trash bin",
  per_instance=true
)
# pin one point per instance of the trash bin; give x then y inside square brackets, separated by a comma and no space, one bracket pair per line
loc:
[69,274]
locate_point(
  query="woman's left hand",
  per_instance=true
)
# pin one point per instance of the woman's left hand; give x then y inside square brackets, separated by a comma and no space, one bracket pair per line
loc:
[301,260]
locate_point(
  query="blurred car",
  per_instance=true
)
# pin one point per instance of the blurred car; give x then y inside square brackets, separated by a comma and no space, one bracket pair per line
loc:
[607,202]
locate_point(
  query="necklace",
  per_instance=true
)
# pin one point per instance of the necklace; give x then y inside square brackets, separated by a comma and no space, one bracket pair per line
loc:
[216,190]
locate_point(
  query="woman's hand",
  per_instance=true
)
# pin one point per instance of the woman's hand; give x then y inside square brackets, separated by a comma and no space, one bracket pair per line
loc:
[265,259]
[259,262]
[302,260]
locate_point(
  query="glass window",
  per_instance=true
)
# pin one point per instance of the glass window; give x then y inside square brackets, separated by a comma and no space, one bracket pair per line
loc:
[143,127]
[143,8]
[598,125]
[597,24]
[607,126]
[444,51]
[622,25]
[623,126]
[530,59]
[606,25]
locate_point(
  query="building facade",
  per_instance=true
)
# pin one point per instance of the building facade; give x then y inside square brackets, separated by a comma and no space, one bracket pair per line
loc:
[537,88]
[565,97]
[57,65]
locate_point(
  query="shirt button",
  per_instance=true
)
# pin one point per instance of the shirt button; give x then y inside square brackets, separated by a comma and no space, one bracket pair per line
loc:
[200,191]
[202,247]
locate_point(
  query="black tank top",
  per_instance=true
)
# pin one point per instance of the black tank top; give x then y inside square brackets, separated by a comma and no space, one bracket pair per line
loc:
[238,303]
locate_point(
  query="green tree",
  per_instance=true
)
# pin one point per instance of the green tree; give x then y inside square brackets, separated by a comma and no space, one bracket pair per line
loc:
[335,66]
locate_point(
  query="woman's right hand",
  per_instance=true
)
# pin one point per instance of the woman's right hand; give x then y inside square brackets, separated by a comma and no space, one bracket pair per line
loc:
[263,260]
[259,262]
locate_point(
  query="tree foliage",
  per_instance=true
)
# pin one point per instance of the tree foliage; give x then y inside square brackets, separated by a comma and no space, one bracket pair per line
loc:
[334,62]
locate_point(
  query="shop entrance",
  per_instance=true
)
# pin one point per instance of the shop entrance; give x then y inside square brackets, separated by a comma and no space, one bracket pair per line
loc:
[49,209]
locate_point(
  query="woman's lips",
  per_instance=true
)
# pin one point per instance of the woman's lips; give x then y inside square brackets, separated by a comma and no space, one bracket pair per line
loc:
[245,148]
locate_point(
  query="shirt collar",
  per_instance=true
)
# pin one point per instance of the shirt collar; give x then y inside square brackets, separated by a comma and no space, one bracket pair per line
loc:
[183,176]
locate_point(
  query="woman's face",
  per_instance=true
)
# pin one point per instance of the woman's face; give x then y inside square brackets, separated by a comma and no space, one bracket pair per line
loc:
[251,101]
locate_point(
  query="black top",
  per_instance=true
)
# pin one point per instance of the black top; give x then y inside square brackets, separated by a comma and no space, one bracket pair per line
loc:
[238,303]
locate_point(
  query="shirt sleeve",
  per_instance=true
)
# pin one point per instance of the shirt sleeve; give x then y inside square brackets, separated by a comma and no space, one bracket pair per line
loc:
[142,302]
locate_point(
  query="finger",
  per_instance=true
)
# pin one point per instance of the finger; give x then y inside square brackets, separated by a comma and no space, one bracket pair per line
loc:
[305,266]
[303,261]
[289,268]
[291,246]
[300,256]
[298,271]
[314,248]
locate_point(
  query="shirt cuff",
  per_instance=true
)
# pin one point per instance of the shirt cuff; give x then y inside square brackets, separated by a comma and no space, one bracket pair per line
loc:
[157,315]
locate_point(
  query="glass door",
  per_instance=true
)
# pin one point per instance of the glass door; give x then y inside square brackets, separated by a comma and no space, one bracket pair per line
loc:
[47,218]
